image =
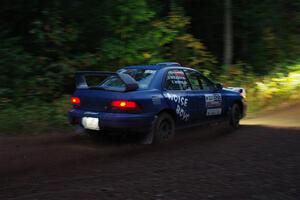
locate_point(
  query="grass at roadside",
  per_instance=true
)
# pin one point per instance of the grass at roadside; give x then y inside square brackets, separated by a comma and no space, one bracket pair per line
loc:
[275,91]
[35,117]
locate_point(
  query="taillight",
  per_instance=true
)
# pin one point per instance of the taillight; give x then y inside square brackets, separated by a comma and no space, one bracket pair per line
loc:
[75,100]
[122,104]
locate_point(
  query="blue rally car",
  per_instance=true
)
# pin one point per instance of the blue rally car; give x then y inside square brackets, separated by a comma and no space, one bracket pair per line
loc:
[152,100]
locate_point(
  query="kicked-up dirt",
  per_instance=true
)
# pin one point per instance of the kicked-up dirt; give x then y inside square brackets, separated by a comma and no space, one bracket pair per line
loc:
[261,160]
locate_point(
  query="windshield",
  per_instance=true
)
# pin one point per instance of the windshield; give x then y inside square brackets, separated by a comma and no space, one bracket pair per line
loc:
[142,76]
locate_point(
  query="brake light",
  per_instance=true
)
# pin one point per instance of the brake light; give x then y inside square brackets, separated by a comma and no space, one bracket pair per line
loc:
[124,104]
[75,100]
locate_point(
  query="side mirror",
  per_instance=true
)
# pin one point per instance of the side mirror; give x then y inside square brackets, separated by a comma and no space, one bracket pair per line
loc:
[219,86]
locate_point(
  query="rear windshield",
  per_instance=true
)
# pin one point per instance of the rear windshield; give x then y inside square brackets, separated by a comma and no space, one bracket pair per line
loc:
[142,76]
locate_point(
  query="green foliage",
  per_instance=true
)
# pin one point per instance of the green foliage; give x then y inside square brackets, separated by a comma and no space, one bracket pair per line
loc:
[129,33]
[139,37]
[265,92]
[35,117]
[189,51]
[276,89]
[237,75]
[55,42]
[267,33]
[181,46]
[16,67]
[38,66]
[44,43]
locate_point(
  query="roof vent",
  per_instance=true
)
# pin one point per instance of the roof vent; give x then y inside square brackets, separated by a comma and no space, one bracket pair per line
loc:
[169,64]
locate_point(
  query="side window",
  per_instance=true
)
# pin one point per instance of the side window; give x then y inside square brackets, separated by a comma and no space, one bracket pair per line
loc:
[207,85]
[194,80]
[198,81]
[176,80]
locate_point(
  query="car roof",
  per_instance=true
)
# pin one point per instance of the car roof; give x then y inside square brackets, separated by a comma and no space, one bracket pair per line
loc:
[158,66]
[154,67]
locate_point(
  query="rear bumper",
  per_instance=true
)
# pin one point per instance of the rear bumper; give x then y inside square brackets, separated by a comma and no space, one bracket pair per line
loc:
[115,121]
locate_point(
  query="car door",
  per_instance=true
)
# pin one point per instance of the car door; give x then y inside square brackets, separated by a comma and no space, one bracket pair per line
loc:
[210,101]
[214,99]
[179,96]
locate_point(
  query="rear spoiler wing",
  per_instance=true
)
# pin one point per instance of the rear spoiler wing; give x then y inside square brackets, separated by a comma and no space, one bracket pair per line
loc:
[81,83]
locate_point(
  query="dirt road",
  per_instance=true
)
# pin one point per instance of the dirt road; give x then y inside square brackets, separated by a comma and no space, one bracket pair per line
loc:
[259,161]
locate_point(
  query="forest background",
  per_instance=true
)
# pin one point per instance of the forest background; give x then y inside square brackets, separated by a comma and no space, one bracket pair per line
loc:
[246,43]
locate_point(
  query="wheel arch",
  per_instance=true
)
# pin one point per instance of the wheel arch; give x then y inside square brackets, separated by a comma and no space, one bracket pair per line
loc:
[239,103]
[171,112]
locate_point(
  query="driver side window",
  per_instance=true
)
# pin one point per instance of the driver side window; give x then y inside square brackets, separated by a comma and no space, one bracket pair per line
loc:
[199,82]
[207,85]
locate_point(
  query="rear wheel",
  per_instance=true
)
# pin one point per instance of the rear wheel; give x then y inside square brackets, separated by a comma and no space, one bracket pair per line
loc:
[162,130]
[235,116]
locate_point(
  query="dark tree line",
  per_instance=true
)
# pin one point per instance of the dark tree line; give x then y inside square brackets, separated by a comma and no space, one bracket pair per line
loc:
[44,42]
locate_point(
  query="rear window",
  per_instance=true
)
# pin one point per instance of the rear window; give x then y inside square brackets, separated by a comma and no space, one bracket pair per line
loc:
[142,76]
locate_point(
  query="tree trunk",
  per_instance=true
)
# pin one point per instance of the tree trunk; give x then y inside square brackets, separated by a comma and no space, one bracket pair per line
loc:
[228,32]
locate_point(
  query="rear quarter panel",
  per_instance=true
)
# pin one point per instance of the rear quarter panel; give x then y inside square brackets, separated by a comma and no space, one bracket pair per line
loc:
[150,101]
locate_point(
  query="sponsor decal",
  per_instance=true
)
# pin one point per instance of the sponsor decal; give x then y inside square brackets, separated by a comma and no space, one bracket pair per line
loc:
[213,104]
[213,100]
[214,111]
[177,77]
[178,99]
[182,113]
[182,103]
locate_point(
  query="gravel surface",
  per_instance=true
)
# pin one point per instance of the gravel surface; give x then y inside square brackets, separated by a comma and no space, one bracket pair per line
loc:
[258,161]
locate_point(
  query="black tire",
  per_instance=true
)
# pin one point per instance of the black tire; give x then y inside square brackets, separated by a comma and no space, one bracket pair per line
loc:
[234,116]
[162,130]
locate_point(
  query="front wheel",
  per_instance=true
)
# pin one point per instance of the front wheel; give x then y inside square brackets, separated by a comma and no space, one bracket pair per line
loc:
[235,116]
[162,130]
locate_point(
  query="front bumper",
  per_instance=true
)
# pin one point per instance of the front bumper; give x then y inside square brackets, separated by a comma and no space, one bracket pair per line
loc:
[245,107]
[115,121]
